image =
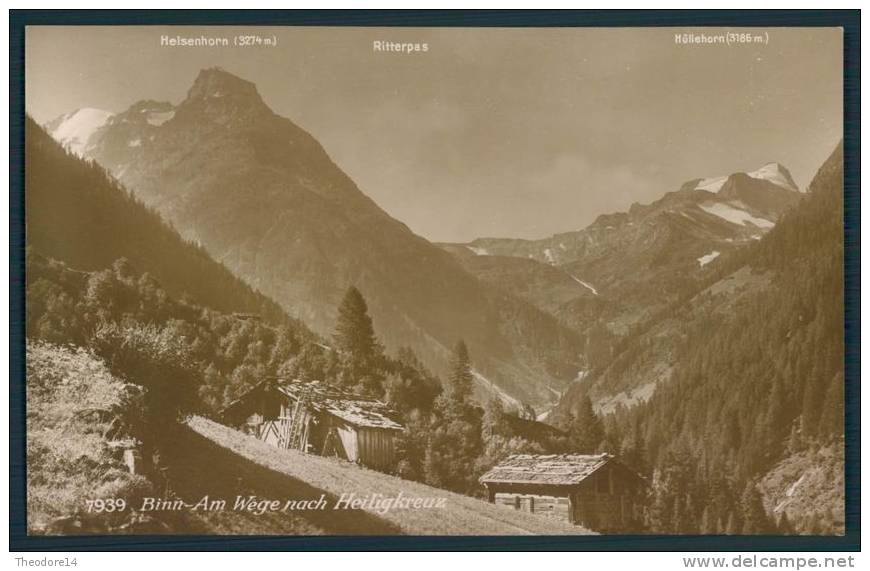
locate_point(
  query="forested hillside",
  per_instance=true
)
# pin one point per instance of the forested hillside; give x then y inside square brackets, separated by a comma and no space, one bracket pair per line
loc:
[190,357]
[753,377]
[194,359]
[119,306]
[77,213]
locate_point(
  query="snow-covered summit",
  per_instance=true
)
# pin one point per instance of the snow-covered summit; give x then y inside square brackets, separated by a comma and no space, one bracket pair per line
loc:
[772,172]
[711,184]
[777,174]
[73,130]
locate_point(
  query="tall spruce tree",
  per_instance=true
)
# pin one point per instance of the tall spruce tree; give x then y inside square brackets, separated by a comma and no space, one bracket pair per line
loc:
[493,423]
[361,353]
[354,333]
[461,381]
[587,430]
[784,526]
[455,431]
[755,520]
[733,525]
[708,524]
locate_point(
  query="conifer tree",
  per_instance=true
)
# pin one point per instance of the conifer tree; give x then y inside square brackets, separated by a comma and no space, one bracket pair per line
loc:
[733,525]
[586,430]
[461,381]
[361,354]
[354,333]
[493,422]
[755,520]
[455,432]
[689,521]
[832,420]
[707,524]
[635,453]
[678,516]
[784,526]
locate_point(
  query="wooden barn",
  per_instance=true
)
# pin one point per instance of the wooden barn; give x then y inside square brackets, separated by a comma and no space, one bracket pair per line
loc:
[320,419]
[595,491]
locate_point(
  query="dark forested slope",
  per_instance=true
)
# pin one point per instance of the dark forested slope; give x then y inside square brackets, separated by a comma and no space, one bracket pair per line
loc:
[751,380]
[78,214]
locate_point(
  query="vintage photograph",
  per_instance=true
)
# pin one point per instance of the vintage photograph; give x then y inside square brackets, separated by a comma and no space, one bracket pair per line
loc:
[457,281]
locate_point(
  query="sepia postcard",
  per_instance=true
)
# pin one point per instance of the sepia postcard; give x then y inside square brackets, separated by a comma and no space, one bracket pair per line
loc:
[379,280]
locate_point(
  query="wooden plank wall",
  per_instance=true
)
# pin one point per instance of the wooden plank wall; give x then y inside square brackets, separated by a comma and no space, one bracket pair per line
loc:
[376,447]
[372,447]
[551,506]
[349,440]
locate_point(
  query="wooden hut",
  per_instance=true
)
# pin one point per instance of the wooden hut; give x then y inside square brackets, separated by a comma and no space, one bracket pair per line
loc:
[318,418]
[596,491]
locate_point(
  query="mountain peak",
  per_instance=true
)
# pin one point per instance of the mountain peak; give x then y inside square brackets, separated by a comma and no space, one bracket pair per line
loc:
[773,172]
[74,129]
[216,83]
[777,174]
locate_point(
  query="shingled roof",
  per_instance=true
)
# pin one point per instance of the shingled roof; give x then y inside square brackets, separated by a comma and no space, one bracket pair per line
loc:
[351,408]
[554,469]
[354,409]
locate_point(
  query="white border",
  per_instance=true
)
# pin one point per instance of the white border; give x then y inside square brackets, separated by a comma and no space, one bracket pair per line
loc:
[377,561]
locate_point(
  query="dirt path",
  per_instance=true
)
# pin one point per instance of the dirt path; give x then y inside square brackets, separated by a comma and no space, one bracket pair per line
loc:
[209,458]
[197,467]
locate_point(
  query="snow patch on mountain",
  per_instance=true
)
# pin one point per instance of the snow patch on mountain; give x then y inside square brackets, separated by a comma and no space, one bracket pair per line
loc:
[134,143]
[548,254]
[75,129]
[772,172]
[584,284]
[707,258]
[734,214]
[775,173]
[712,184]
[478,251]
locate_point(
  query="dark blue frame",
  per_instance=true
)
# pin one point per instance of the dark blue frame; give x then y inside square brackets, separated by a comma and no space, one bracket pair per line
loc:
[849,20]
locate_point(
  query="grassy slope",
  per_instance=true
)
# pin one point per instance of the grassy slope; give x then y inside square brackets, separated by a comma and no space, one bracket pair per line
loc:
[305,476]
[71,398]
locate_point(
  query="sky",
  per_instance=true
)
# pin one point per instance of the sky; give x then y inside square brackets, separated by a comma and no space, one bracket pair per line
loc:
[491,132]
